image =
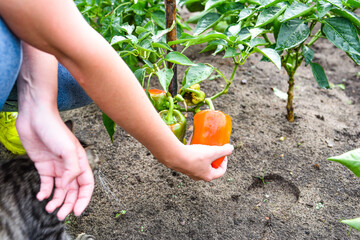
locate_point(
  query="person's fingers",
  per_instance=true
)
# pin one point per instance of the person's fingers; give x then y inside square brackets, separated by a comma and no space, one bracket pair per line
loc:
[58,197]
[72,168]
[46,187]
[70,200]
[86,184]
[221,151]
[220,171]
[83,199]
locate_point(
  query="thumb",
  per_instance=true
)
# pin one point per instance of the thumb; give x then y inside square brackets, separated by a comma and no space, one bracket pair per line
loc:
[222,151]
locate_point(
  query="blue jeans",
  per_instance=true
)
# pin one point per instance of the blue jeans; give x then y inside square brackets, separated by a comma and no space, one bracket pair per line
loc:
[70,94]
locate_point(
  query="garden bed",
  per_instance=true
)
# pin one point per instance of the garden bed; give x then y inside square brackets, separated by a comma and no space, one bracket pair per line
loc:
[278,185]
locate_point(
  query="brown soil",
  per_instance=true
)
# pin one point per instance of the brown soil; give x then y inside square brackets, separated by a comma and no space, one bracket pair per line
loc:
[273,189]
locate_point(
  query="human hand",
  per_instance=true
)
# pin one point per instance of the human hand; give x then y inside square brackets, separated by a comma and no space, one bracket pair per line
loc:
[195,161]
[59,159]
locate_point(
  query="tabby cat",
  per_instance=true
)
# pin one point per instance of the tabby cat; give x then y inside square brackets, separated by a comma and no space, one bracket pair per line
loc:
[22,216]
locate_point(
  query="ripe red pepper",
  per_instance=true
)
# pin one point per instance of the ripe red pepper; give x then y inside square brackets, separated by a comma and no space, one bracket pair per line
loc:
[212,128]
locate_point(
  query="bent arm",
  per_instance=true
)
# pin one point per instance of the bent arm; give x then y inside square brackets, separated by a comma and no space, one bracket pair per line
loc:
[60,29]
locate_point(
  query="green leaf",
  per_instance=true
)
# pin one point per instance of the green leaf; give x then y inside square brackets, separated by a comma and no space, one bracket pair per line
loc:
[229,7]
[206,22]
[231,52]
[308,54]
[319,75]
[119,40]
[256,42]
[139,7]
[271,54]
[146,46]
[161,45]
[196,74]
[342,33]
[350,159]
[133,39]
[207,38]
[185,37]
[256,32]
[213,44]
[144,35]
[348,15]
[297,9]
[245,13]
[194,19]
[323,8]
[269,3]
[159,18]
[178,58]
[192,5]
[354,223]
[165,76]
[336,3]
[280,94]
[147,62]
[127,28]
[268,15]
[109,125]
[354,3]
[232,30]
[243,35]
[291,34]
[355,58]
[161,33]
[209,48]
[140,75]
[140,29]
[210,4]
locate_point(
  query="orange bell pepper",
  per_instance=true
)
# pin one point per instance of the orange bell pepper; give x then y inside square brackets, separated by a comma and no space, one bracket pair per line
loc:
[212,127]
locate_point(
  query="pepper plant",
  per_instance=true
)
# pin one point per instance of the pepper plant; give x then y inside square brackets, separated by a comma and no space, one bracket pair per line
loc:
[137,30]
[289,28]
[351,160]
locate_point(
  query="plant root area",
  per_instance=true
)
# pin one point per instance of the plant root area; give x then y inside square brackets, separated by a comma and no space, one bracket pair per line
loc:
[279,183]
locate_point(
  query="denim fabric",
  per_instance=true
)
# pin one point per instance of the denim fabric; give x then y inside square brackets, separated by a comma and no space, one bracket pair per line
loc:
[70,94]
[10,61]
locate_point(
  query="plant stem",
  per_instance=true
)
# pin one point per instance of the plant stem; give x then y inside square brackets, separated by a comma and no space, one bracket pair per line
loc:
[209,103]
[228,83]
[266,38]
[315,38]
[170,16]
[169,116]
[290,106]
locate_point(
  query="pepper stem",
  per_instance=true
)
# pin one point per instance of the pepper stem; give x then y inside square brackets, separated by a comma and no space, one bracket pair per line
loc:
[209,103]
[169,116]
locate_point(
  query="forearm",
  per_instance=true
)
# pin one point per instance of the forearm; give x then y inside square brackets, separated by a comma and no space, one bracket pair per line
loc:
[95,65]
[37,80]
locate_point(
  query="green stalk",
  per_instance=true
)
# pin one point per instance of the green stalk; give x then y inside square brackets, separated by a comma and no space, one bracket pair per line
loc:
[228,83]
[209,103]
[315,38]
[148,83]
[290,106]
[169,116]
[120,5]
[266,38]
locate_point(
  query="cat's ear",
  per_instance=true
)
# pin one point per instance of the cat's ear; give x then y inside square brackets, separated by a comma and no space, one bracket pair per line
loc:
[70,125]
